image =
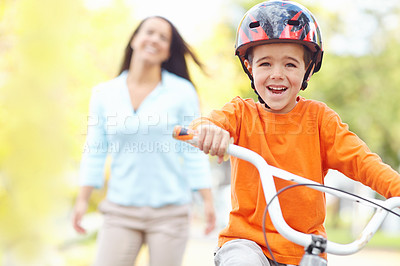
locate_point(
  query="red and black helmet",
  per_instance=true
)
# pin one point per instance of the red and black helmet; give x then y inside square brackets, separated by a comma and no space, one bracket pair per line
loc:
[279,21]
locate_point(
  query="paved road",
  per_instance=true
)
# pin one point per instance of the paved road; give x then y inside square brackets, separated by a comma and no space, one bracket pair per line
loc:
[200,253]
[200,250]
[367,257]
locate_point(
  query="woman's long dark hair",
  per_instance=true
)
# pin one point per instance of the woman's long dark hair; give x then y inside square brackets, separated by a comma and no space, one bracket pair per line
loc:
[176,62]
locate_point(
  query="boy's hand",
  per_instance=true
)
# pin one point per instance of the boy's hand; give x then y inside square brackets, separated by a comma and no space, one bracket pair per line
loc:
[213,140]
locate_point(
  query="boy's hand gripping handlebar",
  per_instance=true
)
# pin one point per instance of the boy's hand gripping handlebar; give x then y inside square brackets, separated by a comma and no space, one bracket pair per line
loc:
[266,174]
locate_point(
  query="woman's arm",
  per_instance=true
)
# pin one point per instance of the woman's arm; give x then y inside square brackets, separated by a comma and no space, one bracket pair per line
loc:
[209,211]
[80,208]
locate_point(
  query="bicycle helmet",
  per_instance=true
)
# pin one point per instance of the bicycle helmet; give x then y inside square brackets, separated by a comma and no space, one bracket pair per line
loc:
[279,21]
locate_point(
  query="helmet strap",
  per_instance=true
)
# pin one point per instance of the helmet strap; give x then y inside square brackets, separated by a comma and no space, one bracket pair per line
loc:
[258,95]
[252,84]
[308,72]
[304,85]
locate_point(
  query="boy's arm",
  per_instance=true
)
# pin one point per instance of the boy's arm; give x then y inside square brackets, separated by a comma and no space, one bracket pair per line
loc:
[347,153]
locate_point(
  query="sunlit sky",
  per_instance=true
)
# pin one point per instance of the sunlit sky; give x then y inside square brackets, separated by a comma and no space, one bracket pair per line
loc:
[192,18]
[196,19]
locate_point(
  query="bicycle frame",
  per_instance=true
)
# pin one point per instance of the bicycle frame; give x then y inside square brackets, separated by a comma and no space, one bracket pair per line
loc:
[266,174]
[308,241]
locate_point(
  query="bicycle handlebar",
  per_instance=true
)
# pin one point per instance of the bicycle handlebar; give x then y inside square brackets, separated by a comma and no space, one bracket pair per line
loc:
[267,172]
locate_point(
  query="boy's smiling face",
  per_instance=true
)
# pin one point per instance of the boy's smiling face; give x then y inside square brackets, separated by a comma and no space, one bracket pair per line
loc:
[278,70]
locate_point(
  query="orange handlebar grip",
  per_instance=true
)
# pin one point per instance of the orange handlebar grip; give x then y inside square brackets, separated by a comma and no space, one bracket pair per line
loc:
[182,133]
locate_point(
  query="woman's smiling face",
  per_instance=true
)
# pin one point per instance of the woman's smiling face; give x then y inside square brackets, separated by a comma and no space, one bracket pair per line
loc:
[153,40]
[278,71]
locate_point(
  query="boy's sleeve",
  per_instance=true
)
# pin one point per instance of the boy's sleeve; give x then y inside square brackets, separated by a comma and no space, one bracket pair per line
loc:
[95,149]
[227,118]
[347,153]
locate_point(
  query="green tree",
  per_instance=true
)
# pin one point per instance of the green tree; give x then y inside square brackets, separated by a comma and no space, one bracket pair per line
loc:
[362,87]
[32,121]
[52,54]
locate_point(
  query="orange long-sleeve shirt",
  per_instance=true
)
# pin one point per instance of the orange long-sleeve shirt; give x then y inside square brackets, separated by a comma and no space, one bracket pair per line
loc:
[307,141]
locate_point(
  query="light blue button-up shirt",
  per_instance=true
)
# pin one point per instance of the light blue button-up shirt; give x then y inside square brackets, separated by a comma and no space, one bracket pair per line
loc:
[149,167]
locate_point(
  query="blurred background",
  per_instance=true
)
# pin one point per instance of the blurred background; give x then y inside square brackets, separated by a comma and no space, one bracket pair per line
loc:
[53,52]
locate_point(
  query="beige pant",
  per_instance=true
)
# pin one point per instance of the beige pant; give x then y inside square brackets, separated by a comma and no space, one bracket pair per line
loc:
[165,230]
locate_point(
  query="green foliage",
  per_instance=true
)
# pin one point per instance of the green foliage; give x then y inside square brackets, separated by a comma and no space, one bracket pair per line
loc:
[224,79]
[379,240]
[52,54]
[32,116]
[363,91]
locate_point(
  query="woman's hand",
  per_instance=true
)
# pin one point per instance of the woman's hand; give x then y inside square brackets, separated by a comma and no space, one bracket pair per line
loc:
[80,208]
[209,210]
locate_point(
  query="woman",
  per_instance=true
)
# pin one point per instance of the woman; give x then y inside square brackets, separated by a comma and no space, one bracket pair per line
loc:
[131,119]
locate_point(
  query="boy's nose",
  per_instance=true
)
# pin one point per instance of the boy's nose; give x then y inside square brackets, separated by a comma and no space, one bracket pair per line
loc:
[276,73]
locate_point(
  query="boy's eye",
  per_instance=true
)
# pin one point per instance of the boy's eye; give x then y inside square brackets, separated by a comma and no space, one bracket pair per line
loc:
[290,65]
[265,64]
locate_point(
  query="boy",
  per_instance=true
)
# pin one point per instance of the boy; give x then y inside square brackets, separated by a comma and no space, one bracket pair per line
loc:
[279,46]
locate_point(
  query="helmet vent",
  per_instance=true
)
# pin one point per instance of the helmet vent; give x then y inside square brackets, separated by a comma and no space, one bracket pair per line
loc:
[254,24]
[294,22]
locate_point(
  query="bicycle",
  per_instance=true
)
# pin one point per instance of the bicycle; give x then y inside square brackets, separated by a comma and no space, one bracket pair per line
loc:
[314,244]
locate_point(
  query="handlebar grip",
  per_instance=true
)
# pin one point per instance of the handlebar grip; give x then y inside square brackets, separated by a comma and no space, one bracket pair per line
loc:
[185,134]
[182,133]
